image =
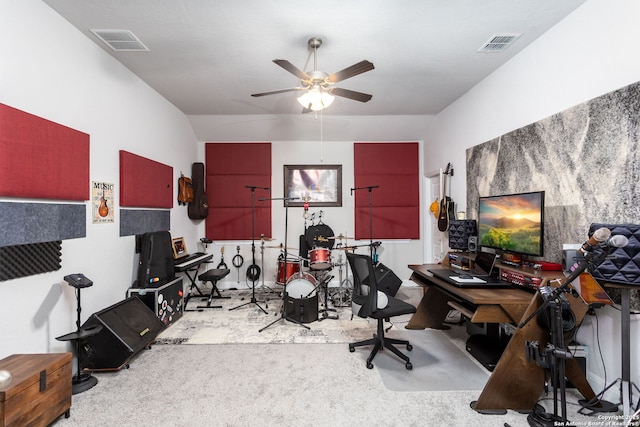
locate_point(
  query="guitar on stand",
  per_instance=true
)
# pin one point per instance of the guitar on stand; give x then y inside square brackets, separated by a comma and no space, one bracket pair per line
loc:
[447,209]
[222,264]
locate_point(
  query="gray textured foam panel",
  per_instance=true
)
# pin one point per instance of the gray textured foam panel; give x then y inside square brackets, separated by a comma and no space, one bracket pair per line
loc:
[25,223]
[27,260]
[139,221]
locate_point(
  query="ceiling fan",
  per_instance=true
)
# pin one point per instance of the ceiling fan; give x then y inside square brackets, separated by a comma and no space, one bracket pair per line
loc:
[319,86]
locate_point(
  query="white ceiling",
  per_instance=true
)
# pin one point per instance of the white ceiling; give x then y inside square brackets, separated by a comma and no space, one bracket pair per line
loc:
[207,57]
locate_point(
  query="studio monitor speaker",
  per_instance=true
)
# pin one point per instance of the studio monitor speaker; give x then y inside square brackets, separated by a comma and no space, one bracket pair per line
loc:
[127,327]
[473,244]
[388,282]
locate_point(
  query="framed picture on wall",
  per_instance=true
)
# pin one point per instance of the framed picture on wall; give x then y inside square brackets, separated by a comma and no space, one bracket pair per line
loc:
[320,185]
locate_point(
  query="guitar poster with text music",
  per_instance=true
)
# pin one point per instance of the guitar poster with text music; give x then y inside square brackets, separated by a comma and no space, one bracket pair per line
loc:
[102,202]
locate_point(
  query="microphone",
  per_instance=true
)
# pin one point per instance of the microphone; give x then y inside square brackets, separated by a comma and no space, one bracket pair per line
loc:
[599,236]
[617,241]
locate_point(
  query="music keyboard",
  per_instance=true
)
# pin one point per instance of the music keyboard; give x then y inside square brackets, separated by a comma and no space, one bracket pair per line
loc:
[191,261]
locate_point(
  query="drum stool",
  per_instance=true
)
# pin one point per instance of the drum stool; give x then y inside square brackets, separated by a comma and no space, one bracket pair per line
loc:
[213,276]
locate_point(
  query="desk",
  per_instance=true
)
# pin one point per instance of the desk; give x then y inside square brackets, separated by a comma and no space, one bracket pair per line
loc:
[514,383]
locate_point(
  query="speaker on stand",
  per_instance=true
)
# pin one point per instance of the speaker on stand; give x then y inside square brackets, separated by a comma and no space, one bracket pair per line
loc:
[388,282]
[472,245]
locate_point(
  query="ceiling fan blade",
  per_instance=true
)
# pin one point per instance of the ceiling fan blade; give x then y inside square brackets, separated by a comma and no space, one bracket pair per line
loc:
[292,69]
[351,94]
[354,70]
[273,92]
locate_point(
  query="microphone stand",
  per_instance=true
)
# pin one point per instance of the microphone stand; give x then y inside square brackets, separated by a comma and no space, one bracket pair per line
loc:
[372,254]
[284,314]
[253,252]
[554,356]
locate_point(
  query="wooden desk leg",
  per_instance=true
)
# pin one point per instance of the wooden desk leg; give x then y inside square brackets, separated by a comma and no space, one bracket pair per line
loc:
[432,310]
[577,378]
[517,384]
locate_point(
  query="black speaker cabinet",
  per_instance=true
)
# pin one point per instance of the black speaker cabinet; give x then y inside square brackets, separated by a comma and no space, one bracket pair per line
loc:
[388,282]
[127,327]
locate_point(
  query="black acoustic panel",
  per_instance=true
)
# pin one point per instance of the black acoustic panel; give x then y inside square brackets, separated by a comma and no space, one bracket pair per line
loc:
[459,232]
[127,328]
[27,260]
[140,221]
[24,223]
[623,265]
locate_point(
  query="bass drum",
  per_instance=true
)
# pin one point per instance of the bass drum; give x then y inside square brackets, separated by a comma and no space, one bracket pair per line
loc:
[319,236]
[301,299]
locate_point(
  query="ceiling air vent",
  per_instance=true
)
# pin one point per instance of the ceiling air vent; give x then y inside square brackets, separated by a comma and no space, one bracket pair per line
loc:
[120,40]
[499,42]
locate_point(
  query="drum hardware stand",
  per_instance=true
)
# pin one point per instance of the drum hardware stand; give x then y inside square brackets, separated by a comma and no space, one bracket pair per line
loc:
[555,355]
[283,313]
[342,296]
[325,315]
[372,250]
[253,251]
[263,286]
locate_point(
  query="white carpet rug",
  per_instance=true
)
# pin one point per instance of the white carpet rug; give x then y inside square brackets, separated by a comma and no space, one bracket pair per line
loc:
[242,325]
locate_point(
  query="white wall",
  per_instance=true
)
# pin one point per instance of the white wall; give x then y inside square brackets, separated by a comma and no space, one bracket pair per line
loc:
[588,54]
[394,254]
[53,71]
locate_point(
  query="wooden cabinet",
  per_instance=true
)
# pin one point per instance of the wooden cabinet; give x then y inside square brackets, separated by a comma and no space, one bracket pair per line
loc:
[40,390]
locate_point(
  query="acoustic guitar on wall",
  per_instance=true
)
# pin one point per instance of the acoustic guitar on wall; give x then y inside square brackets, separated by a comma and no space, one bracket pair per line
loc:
[447,207]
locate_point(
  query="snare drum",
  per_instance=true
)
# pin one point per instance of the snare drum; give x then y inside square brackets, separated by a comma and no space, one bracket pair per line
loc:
[286,270]
[301,299]
[320,259]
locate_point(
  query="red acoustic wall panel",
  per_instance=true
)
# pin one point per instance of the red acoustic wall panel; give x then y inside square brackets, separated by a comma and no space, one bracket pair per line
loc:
[394,168]
[145,183]
[231,167]
[42,159]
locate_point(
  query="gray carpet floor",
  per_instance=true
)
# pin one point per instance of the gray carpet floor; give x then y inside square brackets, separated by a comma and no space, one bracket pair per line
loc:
[287,384]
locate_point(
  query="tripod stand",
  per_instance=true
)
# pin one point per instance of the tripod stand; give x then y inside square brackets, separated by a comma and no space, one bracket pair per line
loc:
[254,270]
[283,313]
[372,250]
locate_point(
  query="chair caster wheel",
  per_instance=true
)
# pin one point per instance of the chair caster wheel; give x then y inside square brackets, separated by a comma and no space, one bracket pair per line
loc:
[369,365]
[409,347]
[351,348]
[409,366]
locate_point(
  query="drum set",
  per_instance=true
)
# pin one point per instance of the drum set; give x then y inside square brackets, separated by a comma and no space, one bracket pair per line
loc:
[306,278]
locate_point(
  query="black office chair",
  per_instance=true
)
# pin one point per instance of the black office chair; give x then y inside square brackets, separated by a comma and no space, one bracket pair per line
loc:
[366,302]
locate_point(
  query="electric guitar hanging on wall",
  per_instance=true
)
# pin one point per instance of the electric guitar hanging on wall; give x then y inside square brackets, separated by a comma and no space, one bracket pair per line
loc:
[447,207]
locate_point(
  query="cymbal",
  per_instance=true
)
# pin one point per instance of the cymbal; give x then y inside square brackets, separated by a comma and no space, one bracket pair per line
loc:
[340,237]
[280,246]
[266,239]
[346,248]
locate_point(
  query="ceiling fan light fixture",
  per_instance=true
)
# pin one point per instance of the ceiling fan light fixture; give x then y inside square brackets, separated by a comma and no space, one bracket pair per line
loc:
[316,99]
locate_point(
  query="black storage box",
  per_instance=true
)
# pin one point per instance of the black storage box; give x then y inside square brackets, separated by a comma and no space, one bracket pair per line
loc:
[165,301]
